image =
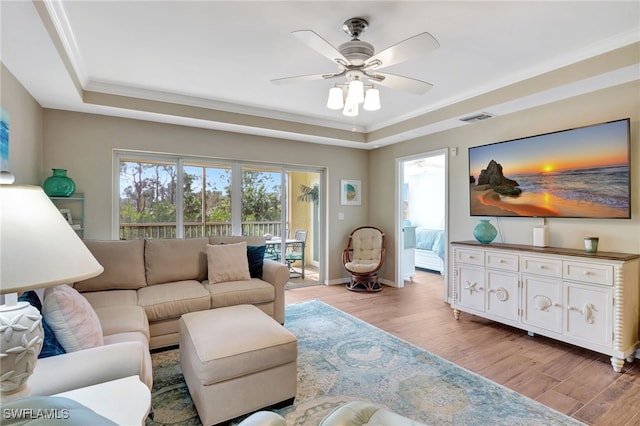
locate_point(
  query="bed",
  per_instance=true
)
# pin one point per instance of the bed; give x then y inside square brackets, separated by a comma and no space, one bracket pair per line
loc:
[430,246]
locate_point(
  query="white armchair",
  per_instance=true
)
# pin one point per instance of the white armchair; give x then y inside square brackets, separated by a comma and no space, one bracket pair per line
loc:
[74,370]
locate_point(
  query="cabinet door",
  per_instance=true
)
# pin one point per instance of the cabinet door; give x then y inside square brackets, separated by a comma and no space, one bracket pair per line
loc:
[542,302]
[502,294]
[589,313]
[471,287]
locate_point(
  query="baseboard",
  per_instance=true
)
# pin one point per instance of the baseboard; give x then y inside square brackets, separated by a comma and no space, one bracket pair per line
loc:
[387,282]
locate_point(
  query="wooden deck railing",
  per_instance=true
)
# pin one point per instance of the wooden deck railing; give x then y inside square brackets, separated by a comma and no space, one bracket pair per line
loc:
[132,231]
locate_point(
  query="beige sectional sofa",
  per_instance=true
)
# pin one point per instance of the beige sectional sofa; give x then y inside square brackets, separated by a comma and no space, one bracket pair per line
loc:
[145,288]
[170,277]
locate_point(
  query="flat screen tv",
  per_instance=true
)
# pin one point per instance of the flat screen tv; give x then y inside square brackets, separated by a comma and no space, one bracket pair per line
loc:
[576,173]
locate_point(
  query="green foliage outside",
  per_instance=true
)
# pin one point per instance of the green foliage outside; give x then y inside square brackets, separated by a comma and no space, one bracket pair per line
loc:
[148,195]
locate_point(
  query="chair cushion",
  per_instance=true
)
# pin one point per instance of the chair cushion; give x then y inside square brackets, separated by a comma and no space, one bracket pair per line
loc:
[361,267]
[367,245]
[72,319]
[228,262]
[360,413]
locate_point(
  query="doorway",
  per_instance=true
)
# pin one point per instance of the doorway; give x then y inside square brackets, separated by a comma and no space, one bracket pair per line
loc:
[421,215]
[304,222]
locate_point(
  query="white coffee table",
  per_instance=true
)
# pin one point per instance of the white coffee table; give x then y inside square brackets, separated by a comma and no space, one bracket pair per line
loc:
[124,401]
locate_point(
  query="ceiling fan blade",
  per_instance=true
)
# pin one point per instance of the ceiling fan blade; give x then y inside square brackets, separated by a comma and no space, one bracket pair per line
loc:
[320,45]
[399,82]
[405,50]
[305,78]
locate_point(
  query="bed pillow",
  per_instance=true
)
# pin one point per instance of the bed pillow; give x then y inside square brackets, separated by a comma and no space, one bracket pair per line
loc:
[227,262]
[255,257]
[50,346]
[72,319]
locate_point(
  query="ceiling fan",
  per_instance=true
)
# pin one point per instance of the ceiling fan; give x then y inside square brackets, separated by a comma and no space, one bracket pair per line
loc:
[357,60]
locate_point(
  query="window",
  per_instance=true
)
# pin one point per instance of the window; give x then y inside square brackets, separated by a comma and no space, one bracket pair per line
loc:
[147,199]
[261,201]
[206,200]
[162,197]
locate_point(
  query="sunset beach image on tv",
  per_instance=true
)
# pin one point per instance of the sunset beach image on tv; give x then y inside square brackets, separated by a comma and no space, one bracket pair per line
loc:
[578,173]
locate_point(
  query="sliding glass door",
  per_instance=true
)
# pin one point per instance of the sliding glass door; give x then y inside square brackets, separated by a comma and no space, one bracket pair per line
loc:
[174,197]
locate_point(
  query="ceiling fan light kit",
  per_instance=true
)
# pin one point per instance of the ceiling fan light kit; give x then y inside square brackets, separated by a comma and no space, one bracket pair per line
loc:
[372,100]
[356,94]
[335,100]
[357,61]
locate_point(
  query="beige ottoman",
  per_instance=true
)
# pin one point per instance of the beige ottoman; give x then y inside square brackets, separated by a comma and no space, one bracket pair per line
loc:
[236,360]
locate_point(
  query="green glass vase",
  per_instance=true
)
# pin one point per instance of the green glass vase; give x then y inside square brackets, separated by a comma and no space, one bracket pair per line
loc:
[59,184]
[485,232]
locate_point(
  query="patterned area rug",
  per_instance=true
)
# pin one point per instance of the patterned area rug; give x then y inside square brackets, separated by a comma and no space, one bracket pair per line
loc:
[341,359]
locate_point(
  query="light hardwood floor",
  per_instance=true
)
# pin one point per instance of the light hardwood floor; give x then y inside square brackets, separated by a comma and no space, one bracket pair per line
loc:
[575,381]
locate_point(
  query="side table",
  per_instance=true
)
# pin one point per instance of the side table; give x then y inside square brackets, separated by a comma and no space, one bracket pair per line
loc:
[124,401]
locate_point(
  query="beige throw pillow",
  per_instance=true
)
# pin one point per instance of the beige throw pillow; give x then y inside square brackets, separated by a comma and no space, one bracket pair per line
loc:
[72,319]
[227,262]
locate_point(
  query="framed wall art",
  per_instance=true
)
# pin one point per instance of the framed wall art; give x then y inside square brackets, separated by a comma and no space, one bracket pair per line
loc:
[350,192]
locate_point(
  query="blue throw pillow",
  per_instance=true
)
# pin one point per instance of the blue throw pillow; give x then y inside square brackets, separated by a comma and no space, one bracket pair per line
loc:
[50,346]
[255,256]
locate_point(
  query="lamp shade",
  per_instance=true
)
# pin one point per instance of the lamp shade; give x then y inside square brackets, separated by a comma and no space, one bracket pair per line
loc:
[371,100]
[38,248]
[355,92]
[335,98]
[350,109]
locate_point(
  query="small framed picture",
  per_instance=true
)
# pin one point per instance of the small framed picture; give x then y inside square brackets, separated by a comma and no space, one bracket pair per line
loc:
[350,192]
[66,213]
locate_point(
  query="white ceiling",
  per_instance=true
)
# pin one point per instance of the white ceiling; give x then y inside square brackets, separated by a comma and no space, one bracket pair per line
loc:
[217,57]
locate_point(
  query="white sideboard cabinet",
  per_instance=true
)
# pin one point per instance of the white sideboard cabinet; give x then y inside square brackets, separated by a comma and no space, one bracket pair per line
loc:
[585,299]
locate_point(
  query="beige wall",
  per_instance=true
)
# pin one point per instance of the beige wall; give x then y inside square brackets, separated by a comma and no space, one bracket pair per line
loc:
[615,235]
[25,130]
[84,144]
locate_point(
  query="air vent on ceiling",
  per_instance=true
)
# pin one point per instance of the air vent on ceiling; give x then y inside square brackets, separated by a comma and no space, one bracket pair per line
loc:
[477,117]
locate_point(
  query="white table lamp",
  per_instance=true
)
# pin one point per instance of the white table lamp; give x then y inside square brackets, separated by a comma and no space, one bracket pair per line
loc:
[38,249]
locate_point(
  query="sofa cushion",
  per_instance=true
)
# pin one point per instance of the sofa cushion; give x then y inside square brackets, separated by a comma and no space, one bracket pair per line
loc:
[249,292]
[255,256]
[72,319]
[50,345]
[123,319]
[171,300]
[228,262]
[175,260]
[233,239]
[101,299]
[123,263]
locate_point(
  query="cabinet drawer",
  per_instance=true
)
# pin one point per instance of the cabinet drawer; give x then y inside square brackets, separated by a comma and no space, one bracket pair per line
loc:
[505,261]
[471,257]
[541,266]
[588,272]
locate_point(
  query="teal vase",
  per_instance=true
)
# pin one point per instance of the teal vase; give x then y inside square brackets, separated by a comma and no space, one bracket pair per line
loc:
[485,232]
[59,184]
